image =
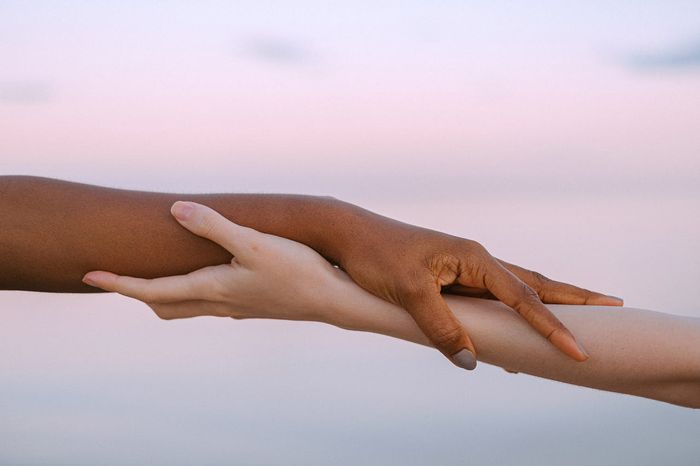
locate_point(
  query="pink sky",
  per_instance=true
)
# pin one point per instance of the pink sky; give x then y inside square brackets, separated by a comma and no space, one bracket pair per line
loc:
[565,137]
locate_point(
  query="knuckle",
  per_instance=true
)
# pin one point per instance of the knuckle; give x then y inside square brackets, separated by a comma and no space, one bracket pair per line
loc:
[527,303]
[253,239]
[255,246]
[218,289]
[148,297]
[539,279]
[118,284]
[208,283]
[529,295]
[445,267]
[475,248]
[446,337]
[477,259]
[207,225]
[148,294]
[476,272]
[541,285]
[586,296]
[545,295]
[555,326]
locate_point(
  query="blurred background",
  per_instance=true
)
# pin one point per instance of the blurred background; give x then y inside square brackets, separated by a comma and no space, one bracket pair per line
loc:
[564,136]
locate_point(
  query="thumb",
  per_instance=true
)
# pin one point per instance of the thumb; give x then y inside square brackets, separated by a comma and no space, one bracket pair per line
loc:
[442,328]
[208,223]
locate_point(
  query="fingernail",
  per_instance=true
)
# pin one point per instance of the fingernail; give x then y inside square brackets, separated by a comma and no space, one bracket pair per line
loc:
[465,359]
[615,297]
[182,210]
[582,349]
[565,341]
[88,281]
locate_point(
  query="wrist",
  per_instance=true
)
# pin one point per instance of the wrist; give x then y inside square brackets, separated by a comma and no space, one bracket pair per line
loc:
[335,301]
[336,230]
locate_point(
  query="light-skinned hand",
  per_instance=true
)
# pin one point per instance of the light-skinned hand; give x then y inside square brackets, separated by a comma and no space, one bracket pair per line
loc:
[403,264]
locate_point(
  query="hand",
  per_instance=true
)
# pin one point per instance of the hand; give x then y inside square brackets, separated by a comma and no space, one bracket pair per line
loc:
[268,277]
[409,266]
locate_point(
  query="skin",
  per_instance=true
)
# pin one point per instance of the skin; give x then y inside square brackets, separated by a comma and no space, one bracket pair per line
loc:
[641,361]
[55,231]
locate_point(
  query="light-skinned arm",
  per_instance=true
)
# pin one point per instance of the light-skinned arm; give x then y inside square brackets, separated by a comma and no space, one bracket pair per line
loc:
[632,351]
[643,361]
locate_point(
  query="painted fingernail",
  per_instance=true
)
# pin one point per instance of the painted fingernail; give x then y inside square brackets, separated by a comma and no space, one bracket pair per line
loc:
[182,210]
[465,359]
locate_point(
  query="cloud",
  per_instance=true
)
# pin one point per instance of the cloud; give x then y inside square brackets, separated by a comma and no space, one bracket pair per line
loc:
[682,57]
[25,92]
[278,51]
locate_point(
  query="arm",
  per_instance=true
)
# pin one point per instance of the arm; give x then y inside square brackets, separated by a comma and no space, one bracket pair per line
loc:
[644,361]
[54,231]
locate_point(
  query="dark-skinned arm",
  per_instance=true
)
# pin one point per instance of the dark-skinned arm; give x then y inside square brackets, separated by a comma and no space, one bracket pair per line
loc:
[54,231]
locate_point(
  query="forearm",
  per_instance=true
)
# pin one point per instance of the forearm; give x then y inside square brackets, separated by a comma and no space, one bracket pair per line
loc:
[52,232]
[631,351]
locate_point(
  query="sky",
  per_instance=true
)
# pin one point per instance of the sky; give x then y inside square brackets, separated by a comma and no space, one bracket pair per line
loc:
[564,136]
[604,94]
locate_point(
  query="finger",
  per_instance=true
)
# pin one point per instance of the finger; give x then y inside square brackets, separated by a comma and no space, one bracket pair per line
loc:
[440,325]
[208,223]
[524,300]
[470,291]
[188,309]
[554,292]
[157,290]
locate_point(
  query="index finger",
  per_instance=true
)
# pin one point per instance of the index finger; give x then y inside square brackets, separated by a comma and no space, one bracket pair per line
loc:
[520,297]
[156,290]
